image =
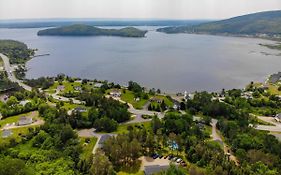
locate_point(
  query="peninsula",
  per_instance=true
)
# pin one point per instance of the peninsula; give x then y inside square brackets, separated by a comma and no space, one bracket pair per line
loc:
[87,30]
[262,24]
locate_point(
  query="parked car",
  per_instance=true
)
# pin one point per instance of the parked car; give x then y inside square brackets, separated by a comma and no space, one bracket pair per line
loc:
[160,156]
[179,160]
[165,157]
[170,157]
[155,156]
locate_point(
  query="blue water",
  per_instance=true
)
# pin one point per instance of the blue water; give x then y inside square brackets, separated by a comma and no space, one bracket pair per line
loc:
[171,62]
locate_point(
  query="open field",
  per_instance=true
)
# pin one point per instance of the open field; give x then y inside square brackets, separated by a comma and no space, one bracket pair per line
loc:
[123,127]
[130,98]
[14,119]
[16,134]
[88,147]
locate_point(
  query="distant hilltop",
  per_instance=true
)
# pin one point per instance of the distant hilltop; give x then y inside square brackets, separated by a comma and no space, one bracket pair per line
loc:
[87,30]
[258,24]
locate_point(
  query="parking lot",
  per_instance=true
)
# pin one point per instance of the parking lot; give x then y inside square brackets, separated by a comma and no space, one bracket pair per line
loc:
[155,159]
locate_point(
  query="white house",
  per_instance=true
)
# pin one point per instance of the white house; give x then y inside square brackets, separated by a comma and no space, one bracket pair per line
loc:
[115,93]
[278,117]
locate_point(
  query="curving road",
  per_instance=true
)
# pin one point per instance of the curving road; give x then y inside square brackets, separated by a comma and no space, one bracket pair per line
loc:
[275,128]
[11,76]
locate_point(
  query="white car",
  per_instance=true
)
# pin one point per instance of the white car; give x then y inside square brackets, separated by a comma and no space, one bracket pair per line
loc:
[179,160]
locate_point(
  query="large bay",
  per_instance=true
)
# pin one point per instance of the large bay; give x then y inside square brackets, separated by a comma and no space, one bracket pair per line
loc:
[171,62]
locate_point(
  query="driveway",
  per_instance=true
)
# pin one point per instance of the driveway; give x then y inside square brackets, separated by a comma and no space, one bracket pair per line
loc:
[271,120]
[91,133]
[218,138]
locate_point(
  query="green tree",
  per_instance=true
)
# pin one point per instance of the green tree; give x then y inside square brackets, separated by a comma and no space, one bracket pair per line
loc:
[101,165]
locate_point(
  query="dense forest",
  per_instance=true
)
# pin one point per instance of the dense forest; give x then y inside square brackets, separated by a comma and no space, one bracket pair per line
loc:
[86,30]
[252,24]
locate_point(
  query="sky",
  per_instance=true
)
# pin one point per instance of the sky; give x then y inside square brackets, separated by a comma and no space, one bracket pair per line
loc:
[133,9]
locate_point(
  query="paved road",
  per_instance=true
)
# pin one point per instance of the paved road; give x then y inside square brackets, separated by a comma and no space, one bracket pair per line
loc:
[275,128]
[11,76]
[64,99]
[138,119]
[92,133]
[139,111]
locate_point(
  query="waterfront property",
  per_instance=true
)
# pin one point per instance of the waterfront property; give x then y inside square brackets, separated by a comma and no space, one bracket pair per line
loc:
[115,93]
[274,78]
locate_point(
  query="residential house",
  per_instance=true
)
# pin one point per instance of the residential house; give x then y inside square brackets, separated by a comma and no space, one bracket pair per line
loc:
[247,95]
[24,102]
[115,93]
[156,99]
[24,121]
[6,133]
[80,109]
[278,117]
[77,88]
[60,88]
[274,78]
[98,85]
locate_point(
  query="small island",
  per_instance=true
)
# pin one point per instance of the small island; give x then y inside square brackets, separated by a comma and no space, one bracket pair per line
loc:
[87,30]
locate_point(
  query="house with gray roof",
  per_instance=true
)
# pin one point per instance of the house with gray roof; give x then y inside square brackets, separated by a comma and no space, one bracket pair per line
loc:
[278,117]
[24,121]
[6,133]
[80,109]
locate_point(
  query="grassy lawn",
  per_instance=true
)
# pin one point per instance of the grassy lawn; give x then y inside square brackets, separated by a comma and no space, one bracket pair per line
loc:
[124,173]
[168,102]
[14,119]
[69,106]
[123,128]
[16,132]
[129,98]
[273,89]
[1,62]
[87,147]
